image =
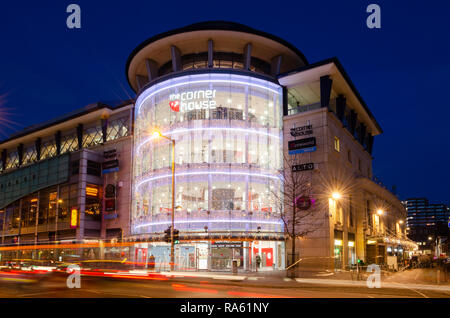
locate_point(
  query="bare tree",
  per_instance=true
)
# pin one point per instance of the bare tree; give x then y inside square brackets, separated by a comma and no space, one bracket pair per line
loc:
[297,202]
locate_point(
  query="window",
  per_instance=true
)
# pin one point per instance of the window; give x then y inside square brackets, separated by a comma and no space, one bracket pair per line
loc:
[94,168]
[337,145]
[117,128]
[359,165]
[92,136]
[75,167]
[93,206]
[349,156]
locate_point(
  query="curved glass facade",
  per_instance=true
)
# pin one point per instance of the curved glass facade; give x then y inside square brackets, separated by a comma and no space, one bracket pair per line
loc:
[228,155]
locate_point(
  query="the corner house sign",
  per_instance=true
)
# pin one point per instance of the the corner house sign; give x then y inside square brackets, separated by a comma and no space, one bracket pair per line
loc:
[193,100]
[302,145]
[303,167]
[301,131]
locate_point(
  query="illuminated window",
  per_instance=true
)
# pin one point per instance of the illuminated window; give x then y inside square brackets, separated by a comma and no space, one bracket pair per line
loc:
[69,143]
[337,145]
[117,128]
[12,160]
[29,155]
[92,136]
[48,149]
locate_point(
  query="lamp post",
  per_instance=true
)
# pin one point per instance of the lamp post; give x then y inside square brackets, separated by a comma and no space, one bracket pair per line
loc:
[158,134]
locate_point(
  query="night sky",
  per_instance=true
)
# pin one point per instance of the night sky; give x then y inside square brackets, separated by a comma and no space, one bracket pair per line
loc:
[401,70]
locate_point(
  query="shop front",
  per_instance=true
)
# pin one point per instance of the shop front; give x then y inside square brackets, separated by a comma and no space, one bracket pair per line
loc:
[214,256]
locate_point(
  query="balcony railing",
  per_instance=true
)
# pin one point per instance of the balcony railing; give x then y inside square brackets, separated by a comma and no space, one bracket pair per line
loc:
[303,108]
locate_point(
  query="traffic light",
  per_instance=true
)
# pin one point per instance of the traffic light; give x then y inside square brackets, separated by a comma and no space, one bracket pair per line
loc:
[176,236]
[167,235]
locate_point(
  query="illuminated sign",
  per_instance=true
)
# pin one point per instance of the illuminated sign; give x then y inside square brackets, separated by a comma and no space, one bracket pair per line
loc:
[191,100]
[304,202]
[301,131]
[303,167]
[302,145]
[91,191]
[74,218]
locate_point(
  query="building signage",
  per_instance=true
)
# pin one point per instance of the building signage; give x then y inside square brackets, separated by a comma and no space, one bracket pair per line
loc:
[226,244]
[191,100]
[301,131]
[302,145]
[110,205]
[303,202]
[109,154]
[73,218]
[110,166]
[303,167]
[110,191]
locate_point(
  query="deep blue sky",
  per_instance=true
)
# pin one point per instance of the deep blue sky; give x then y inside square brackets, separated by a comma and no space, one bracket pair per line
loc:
[401,70]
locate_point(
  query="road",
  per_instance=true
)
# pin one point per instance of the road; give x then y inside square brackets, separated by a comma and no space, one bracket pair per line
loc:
[94,287]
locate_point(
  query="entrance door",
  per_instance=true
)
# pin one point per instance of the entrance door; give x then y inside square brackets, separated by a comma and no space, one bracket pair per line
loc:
[141,256]
[267,258]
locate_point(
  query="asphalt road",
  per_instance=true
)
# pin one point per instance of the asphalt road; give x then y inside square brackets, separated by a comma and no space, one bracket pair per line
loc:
[92,287]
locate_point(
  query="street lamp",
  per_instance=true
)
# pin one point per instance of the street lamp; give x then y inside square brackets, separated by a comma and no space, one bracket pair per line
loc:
[380,212]
[157,134]
[336,195]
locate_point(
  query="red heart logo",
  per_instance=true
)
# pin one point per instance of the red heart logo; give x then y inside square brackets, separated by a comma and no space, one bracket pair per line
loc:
[175,105]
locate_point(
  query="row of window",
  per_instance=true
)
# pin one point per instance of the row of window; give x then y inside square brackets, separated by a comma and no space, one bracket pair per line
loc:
[49,206]
[220,60]
[337,147]
[92,136]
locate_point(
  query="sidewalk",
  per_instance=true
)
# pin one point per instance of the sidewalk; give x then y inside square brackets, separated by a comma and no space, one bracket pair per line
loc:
[410,279]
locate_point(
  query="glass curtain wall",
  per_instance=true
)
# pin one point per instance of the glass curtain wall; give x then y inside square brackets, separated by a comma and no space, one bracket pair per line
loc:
[228,154]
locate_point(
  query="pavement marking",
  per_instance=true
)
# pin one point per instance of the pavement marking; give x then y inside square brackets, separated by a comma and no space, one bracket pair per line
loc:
[287,279]
[422,294]
[252,278]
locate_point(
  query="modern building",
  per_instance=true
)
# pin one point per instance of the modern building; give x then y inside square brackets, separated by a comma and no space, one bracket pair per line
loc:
[68,179]
[427,223]
[243,109]
[329,133]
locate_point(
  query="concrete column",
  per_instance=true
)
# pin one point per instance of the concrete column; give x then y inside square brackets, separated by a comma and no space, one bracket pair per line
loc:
[275,65]
[141,81]
[80,136]
[325,90]
[210,53]
[38,145]
[176,58]
[340,107]
[81,195]
[20,153]
[152,69]
[247,56]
